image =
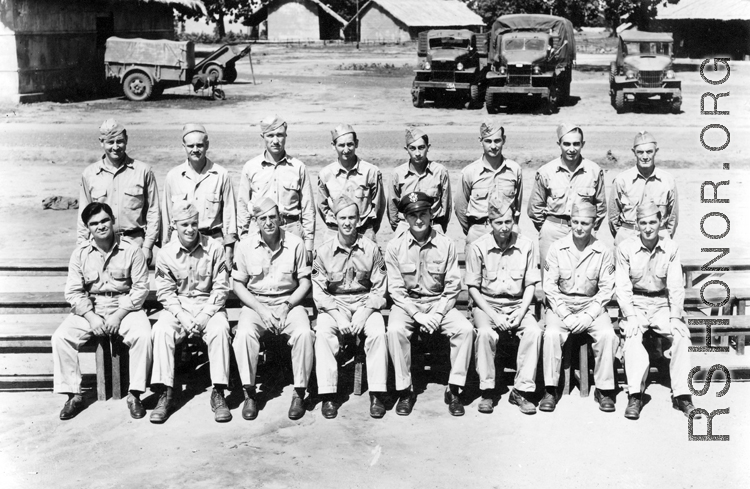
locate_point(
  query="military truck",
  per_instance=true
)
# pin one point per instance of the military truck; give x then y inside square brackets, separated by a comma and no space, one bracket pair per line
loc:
[530,55]
[643,73]
[451,62]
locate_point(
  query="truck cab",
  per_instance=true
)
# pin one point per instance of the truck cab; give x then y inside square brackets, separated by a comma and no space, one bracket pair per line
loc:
[643,71]
[450,64]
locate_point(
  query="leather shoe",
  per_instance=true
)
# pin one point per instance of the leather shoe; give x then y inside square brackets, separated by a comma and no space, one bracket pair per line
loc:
[72,407]
[685,404]
[606,403]
[297,408]
[330,409]
[250,408]
[219,407]
[137,411]
[162,410]
[548,402]
[635,404]
[377,408]
[405,403]
[455,407]
[524,405]
[486,406]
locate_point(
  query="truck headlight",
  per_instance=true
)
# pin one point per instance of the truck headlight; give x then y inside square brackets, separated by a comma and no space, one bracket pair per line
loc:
[536,70]
[460,67]
[630,74]
[426,65]
[502,70]
[670,75]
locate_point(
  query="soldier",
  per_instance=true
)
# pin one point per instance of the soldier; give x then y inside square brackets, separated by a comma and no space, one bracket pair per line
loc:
[127,185]
[420,174]
[579,281]
[562,182]
[207,186]
[502,271]
[650,293]
[106,288]
[353,177]
[281,178]
[491,176]
[349,285]
[192,284]
[424,282]
[272,278]
[643,183]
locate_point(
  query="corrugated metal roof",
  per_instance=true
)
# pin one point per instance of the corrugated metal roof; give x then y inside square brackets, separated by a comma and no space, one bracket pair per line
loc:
[704,9]
[636,35]
[261,13]
[427,13]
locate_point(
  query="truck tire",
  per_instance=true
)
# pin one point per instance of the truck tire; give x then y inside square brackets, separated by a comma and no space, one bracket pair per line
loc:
[489,102]
[137,86]
[476,97]
[620,101]
[417,96]
[675,105]
[552,101]
[216,71]
[230,73]
[612,72]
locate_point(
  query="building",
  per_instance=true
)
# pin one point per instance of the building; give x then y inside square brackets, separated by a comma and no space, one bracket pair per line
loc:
[403,20]
[298,20]
[706,28]
[55,48]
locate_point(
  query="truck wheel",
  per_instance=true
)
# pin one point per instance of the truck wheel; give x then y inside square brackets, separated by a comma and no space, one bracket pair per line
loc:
[675,105]
[417,96]
[137,87]
[489,102]
[476,97]
[620,101]
[552,101]
[230,73]
[215,71]
[612,72]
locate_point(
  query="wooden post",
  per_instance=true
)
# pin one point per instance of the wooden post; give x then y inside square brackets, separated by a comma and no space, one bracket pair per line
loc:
[250,57]
[359,361]
[567,361]
[102,361]
[583,362]
[116,357]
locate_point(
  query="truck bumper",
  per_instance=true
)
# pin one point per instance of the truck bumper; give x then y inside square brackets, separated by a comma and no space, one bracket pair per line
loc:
[652,91]
[543,91]
[448,86]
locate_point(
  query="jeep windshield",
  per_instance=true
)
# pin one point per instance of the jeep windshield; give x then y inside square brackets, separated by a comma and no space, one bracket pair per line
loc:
[636,48]
[449,43]
[525,44]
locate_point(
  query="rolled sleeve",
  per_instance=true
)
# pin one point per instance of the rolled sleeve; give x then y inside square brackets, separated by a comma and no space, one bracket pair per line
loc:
[533,273]
[379,279]
[473,276]
[75,292]
[166,285]
[138,294]
[300,258]
[322,298]
[240,267]
[538,202]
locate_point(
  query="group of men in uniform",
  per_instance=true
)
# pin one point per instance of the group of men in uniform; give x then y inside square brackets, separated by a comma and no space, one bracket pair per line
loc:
[263,248]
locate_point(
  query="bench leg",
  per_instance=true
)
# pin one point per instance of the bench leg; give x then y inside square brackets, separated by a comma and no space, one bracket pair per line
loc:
[359,362]
[583,385]
[116,357]
[102,355]
[566,370]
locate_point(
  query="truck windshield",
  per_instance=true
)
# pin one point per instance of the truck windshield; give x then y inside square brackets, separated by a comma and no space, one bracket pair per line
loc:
[632,48]
[528,44]
[449,43]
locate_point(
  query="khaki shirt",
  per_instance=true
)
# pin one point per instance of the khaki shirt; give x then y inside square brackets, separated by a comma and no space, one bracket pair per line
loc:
[586,282]
[480,183]
[630,189]
[287,183]
[650,271]
[556,189]
[121,271]
[434,182]
[268,273]
[186,278]
[421,275]
[500,272]
[349,278]
[363,184]
[211,193]
[130,191]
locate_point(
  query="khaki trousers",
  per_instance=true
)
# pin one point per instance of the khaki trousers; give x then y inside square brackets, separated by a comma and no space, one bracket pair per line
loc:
[605,347]
[250,330]
[656,312]
[74,331]
[454,325]
[485,347]
[327,341]
[168,332]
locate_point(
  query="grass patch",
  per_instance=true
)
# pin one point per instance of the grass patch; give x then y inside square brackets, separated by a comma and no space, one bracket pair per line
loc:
[387,69]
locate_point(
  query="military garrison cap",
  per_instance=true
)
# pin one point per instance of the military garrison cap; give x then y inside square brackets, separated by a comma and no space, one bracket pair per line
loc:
[643,137]
[565,128]
[342,203]
[646,209]
[583,209]
[110,129]
[498,207]
[488,128]
[263,206]
[414,134]
[271,123]
[183,210]
[188,128]
[341,130]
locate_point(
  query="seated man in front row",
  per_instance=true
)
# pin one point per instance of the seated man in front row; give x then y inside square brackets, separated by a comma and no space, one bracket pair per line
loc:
[579,281]
[192,283]
[424,282]
[649,290]
[349,285]
[271,278]
[502,270]
[106,288]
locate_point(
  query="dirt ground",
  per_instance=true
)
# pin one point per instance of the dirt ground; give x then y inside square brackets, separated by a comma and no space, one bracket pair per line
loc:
[44,147]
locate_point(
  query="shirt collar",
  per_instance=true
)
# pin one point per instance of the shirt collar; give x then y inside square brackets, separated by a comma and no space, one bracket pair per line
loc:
[486,165]
[654,175]
[642,247]
[410,169]
[269,161]
[103,166]
[341,168]
[202,243]
[413,240]
[512,242]
[207,168]
[260,243]
[339,247]
[561,166]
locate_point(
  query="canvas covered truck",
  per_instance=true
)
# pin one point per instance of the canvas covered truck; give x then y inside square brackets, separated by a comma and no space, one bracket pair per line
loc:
[450,67]
[530,55]
[643,73]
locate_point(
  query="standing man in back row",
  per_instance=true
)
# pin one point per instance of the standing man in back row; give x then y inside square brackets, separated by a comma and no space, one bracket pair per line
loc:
[282,178]
[493,176]
[127,185]
[561,183]
[419,174]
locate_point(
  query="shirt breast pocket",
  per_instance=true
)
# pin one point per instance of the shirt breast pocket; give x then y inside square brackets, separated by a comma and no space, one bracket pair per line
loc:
[558,193]
[99,195]
[363,278]
[480,193]
[133,198]
[516,277]
[409,273]
[586,194]
[436,272]
[120,277]
[566,280]
[290,194]
[256,273]
[90,278]
[212,205]
[204,277]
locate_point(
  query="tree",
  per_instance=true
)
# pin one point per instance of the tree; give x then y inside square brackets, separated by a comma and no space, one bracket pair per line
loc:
[218,10]
[637,12]
[579,12]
